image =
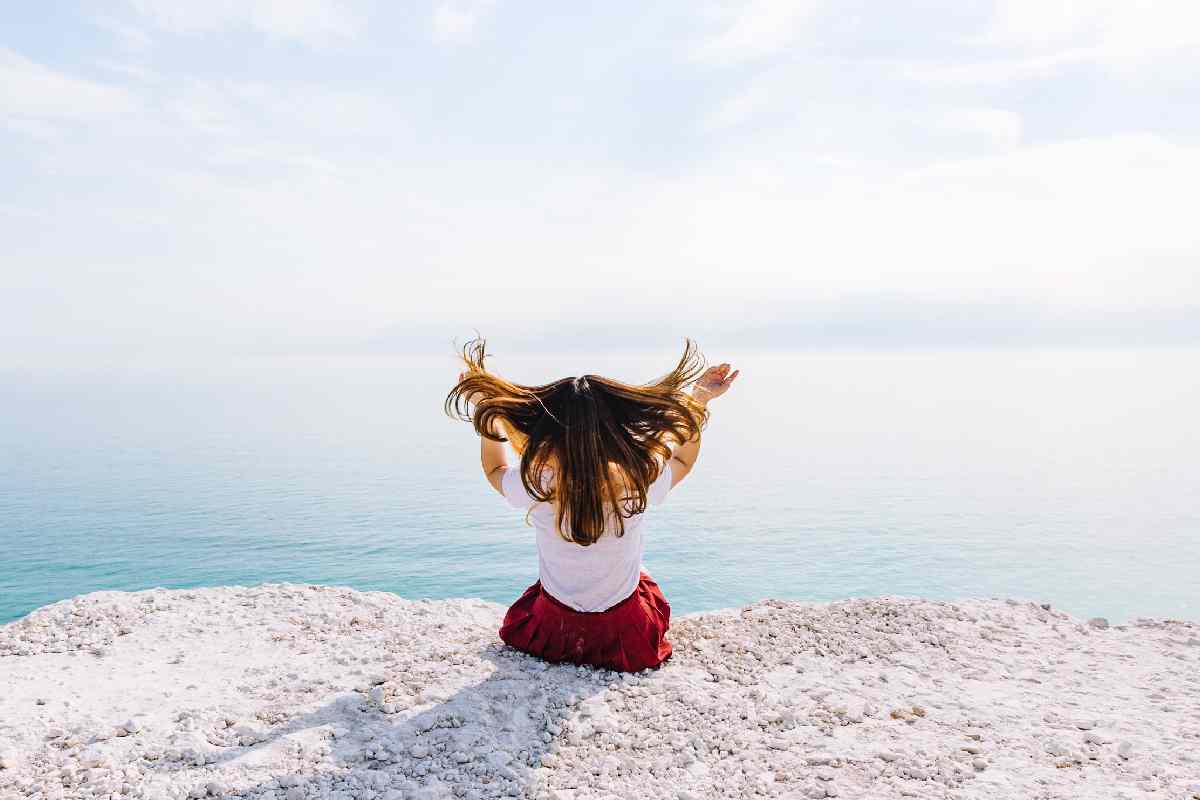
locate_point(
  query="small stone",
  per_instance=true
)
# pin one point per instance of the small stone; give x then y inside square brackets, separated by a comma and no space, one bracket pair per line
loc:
[973,749]
[216,788]
[1091,737]
[918,711]
[1125,750]
[1085,724]
[1045,606]
[1100,623]
[831,790]
[889,756]
[979,764]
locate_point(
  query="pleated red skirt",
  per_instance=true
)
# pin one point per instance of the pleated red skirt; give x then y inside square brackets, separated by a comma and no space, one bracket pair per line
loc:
[627,637]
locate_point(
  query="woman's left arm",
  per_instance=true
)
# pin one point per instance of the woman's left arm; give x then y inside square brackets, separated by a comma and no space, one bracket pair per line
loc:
[492,457]
[493,460]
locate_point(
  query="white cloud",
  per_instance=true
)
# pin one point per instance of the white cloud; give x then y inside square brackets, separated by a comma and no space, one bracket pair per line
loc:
[1117,33]
[993,71]
[997,126]
[130,37]
[458,20]
[759,96]
[755,29]
[1115,25]
[30,90]
[1103,222]
[257,112]
[311,21]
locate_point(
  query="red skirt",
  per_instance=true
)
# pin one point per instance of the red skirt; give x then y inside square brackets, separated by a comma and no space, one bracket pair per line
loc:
[627,637]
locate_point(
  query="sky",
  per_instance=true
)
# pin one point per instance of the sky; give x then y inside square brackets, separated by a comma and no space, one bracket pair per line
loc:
[198,179]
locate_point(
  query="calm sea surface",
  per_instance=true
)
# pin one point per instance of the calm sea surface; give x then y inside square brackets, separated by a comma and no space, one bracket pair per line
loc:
[1064,477]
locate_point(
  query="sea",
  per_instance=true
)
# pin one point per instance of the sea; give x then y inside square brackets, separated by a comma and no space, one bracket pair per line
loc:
[1069,477]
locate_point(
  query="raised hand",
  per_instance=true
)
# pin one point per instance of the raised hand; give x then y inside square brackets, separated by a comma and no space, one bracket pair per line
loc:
[714,382]
[474,397]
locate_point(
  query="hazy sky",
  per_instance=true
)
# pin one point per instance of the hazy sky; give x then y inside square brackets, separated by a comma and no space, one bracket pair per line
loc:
[216,176]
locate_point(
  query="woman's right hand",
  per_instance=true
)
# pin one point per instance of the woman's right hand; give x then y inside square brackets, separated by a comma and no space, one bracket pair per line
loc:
[713,383]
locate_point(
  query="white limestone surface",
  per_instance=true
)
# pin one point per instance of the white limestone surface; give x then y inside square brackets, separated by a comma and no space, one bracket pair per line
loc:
[291,691]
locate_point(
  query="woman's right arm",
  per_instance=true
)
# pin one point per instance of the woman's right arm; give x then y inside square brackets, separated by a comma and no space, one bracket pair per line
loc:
[712,384]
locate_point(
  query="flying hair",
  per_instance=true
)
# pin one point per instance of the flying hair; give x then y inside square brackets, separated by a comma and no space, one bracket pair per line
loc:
[601,441]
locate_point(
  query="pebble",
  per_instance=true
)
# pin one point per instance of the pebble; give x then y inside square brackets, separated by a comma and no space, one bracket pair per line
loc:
[1100,623]
[1125,749]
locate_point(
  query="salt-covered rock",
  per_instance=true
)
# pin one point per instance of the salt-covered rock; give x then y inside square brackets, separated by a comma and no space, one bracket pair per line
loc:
[260,691]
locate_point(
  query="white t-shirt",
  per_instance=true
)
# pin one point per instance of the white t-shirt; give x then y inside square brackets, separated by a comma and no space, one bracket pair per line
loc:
[590,578]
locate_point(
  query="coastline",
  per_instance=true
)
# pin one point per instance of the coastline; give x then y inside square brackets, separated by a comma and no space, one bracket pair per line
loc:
[289,691]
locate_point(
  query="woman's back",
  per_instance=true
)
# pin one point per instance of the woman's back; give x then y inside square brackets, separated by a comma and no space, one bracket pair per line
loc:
[591,578]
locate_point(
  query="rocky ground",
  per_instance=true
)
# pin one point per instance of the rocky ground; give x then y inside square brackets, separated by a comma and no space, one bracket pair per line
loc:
[289,692]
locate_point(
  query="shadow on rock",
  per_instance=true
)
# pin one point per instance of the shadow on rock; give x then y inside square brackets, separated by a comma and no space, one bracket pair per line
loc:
[482,740]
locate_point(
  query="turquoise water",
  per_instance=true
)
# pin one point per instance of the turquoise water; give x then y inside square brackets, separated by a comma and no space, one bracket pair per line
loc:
[1063,477]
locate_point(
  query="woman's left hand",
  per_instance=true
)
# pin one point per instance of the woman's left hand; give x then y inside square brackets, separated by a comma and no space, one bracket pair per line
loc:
[475,397]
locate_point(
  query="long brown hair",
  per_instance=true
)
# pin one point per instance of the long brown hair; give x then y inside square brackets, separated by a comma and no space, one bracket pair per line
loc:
[605,440]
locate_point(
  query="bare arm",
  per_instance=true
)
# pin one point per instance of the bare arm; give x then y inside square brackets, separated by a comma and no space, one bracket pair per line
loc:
[494,461]
[712,384]
[492,457]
